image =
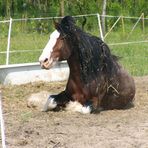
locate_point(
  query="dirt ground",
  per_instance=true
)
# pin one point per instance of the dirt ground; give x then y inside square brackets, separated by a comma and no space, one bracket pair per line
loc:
[29,128]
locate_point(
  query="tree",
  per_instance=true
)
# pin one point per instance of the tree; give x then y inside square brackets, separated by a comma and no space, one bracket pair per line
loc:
[61,7]
[7,4]
[103,17]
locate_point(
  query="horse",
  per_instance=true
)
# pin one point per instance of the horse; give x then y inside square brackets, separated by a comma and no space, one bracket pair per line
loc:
[96,79]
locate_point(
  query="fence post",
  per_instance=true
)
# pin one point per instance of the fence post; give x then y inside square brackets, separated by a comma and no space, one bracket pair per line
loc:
[143,23]
[123,27]
[8,43]
[2,123]
[100,27]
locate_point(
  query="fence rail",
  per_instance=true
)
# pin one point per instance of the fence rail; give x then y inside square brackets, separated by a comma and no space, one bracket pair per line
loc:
[23,38]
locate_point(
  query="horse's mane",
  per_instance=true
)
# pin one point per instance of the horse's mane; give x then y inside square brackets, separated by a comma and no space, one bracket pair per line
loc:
[94,55]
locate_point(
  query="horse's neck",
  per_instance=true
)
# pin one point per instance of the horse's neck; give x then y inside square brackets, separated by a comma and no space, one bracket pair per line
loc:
[74,65]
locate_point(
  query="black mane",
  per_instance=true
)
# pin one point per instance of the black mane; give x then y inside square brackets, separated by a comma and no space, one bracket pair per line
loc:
[94,55]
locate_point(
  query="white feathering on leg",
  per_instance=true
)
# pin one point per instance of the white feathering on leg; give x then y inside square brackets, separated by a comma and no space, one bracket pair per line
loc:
[86,110]
[75,106]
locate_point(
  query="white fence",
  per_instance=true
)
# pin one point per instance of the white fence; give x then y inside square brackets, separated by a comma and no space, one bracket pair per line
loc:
[25,41]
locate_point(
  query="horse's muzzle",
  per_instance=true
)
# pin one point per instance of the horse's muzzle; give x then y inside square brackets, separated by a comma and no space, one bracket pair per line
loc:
[48,63]
[45,64]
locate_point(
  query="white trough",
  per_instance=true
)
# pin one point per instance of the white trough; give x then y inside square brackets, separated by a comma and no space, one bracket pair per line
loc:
[25,73]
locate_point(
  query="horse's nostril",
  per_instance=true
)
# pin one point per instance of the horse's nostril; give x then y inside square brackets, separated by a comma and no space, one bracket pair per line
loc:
[45,60]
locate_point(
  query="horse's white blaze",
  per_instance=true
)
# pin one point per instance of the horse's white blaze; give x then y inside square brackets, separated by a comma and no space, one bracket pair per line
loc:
[49,47]
[75,106]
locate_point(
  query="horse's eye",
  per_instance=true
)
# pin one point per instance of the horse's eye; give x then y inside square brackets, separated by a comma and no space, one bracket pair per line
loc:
[63,37]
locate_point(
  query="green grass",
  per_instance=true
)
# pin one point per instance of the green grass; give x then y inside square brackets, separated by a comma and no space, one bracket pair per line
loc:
[134,56]
[24,42]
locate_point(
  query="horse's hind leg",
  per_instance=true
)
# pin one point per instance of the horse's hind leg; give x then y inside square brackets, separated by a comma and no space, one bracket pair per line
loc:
[121,93]
[113,102]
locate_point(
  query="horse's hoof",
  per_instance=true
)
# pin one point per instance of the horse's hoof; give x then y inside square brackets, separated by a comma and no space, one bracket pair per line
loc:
[50,104]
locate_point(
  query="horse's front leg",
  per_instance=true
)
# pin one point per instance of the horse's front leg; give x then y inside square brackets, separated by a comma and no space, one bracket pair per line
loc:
[55,101]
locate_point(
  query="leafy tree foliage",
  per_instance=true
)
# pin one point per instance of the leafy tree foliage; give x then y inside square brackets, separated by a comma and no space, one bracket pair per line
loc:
[42,8]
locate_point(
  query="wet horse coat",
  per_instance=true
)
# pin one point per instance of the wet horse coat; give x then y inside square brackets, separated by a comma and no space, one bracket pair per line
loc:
[96,80]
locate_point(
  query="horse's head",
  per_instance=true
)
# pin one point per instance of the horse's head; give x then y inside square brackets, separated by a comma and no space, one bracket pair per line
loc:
[59,44]
[55,50]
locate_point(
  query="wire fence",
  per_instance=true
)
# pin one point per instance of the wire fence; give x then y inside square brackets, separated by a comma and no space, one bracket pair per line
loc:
[22,40]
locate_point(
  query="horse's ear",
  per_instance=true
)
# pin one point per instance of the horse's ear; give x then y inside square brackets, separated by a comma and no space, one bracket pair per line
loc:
[56,24]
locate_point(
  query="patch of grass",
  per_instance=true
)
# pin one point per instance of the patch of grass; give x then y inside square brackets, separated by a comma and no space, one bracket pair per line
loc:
[24,42]
[134,56]
[26,116]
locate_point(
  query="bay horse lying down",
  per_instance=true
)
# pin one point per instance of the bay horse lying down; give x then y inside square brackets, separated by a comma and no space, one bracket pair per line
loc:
[96,79]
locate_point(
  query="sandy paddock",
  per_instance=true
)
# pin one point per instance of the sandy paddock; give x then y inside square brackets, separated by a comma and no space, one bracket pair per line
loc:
[30,128]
